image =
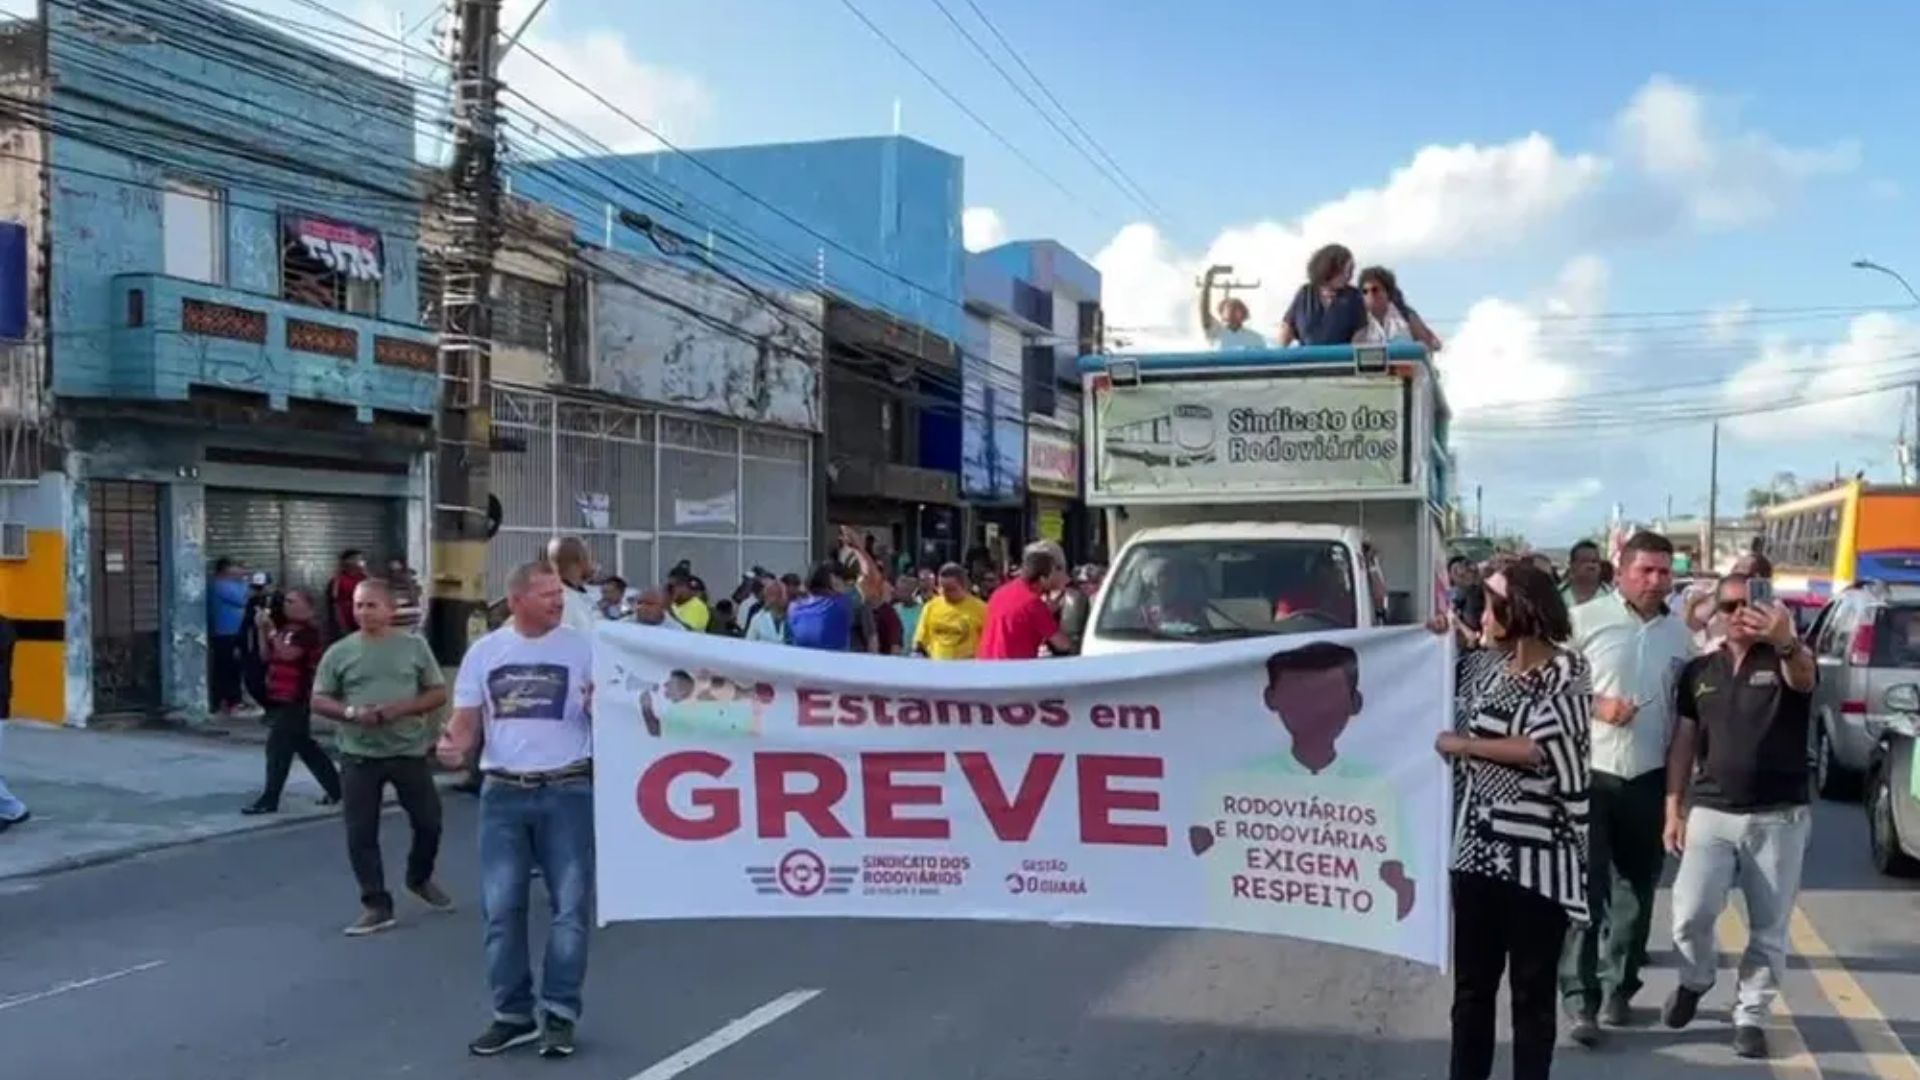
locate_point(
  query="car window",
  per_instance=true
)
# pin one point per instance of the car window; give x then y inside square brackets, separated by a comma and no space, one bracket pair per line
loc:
[1204,590]
[1896,637]
[1838,629]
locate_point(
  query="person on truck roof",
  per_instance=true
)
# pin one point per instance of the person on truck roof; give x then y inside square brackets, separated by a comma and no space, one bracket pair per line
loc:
[1388,316]
[1229,331]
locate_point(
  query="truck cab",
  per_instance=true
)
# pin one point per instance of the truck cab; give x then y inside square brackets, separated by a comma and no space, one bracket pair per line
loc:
[1265,492]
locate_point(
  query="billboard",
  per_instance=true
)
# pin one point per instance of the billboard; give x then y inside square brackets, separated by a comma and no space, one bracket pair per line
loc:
[1240,436]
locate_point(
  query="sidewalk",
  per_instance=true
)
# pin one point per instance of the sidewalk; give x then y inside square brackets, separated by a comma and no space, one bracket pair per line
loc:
[97,796]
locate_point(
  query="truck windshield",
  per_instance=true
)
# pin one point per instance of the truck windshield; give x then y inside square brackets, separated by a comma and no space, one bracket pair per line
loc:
[1210,590]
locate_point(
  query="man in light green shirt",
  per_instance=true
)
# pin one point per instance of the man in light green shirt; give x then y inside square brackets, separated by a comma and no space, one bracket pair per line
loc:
[382,687]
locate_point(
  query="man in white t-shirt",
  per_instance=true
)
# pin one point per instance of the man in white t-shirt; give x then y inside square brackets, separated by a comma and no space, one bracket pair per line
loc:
[570,558]
[528,683]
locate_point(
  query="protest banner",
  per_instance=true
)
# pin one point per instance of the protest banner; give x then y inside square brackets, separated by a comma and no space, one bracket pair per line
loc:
[1285,785]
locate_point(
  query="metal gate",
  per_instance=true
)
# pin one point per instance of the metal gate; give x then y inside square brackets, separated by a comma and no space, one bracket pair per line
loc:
[298,538]
[124,565]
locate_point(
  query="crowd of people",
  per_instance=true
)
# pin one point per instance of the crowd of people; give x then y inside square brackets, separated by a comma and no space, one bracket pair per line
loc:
[1601,724]
[849,603]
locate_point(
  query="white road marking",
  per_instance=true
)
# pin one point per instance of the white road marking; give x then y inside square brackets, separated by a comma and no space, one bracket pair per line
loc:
[77,984]
[726,1036]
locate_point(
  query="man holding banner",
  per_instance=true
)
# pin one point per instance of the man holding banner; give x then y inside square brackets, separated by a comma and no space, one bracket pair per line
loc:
[529,684]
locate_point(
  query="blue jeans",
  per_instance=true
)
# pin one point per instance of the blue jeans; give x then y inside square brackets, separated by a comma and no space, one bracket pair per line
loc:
[550,827]
[11,809]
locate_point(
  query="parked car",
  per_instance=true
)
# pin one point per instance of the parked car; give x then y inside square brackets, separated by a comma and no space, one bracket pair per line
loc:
[1866,642]
[1893,799]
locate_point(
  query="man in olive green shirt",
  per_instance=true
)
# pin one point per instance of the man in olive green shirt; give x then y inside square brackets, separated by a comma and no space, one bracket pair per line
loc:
[382,686]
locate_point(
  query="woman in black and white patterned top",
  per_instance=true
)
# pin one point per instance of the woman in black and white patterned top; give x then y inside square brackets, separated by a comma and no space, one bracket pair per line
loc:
[1520,743]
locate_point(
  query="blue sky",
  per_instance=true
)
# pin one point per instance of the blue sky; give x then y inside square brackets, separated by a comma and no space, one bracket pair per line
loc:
[1540,176]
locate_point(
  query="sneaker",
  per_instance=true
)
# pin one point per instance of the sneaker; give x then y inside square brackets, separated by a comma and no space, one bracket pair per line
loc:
[1750,1041]
[1681,1006]
[371,921]
[8,823]
[1584,1031]
[556,1040]
[501,1036]
[256,808]
[1616,1011]
[433,896]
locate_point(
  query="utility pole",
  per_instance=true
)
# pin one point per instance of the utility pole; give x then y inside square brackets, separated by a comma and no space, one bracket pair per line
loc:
[1479,511]
[469,206]
[1713,494]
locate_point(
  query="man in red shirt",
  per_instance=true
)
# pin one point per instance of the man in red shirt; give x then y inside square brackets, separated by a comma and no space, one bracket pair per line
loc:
[1019,619]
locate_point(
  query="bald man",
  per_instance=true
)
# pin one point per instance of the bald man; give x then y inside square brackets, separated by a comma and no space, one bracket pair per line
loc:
[569,557]
[651,610]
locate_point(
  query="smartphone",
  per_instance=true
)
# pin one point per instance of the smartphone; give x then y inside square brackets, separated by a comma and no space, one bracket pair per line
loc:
[1759,591]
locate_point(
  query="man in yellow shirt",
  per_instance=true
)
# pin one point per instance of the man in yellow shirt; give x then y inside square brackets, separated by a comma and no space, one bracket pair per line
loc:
[685,603]
[951,622]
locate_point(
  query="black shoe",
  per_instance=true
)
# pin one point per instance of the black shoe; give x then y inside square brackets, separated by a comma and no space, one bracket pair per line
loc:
[556,1040]
[6,823]
[1583,1030]
[1681,1006]
[502,1036]
[1616,1011]
[1750,1041]
[256,808]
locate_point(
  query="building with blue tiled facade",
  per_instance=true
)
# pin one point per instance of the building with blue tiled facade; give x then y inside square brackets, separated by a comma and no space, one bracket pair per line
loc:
[225,316]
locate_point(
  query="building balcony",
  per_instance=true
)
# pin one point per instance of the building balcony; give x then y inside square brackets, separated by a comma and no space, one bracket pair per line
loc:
[172,336]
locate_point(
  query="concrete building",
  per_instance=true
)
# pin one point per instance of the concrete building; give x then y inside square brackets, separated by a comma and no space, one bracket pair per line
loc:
[850,247]
[1065,296]
[226,316]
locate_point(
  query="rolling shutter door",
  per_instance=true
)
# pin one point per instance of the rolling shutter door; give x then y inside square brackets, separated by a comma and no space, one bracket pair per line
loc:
[298,538]
[320,527]
[244,525]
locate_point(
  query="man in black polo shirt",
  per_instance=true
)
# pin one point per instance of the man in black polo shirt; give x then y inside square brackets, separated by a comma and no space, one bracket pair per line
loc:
[1742,740]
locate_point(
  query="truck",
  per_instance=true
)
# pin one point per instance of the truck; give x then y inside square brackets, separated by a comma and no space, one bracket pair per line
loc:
[1265,491]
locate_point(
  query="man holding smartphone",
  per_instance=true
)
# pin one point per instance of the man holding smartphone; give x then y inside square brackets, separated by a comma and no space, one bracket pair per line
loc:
[1636,648]
[1744,713]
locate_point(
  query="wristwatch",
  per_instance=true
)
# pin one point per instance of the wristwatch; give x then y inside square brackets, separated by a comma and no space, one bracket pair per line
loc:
[353,713]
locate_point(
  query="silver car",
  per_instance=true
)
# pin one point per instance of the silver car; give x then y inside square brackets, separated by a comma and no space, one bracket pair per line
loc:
[1867,643]
[1893,795]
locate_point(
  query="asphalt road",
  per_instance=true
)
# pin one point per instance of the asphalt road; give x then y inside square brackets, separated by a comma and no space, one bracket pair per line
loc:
[225,960]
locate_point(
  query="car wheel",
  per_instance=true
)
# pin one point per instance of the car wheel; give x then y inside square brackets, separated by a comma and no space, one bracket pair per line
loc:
[1882,834]
[1830,778]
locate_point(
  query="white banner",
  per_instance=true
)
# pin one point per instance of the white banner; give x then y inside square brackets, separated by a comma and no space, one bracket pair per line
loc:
[1278,786]
[1269,434]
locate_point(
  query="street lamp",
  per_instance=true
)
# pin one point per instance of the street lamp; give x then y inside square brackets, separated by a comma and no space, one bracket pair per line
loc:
[1869,264]
[1903,449]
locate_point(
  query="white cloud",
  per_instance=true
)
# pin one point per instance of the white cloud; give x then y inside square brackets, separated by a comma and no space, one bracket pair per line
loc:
[1501,357]
[981,228]
[1448,201]
[1566,503]
[1719,178]
[1726,323]
[1842,380]
[671,102]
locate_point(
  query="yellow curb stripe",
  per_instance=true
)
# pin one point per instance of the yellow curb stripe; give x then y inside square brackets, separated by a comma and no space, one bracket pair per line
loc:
[1851,1003]
[1789,1058]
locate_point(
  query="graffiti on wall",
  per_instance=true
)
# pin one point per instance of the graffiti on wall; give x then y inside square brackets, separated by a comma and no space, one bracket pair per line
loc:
[740,356]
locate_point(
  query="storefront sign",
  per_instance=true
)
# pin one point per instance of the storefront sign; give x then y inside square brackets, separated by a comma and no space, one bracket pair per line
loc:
[1250,435]
[1053,462]
[719,510]
[1227,787]
[345,249]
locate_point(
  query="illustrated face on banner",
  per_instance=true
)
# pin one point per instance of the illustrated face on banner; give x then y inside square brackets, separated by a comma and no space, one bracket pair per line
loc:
[704,703]
[1315,691]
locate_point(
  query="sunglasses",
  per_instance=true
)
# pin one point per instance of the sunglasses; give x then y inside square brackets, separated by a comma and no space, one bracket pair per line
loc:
[1728,607]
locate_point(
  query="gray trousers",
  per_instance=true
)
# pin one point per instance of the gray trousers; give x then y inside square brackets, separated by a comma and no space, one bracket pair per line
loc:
[1761,853]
